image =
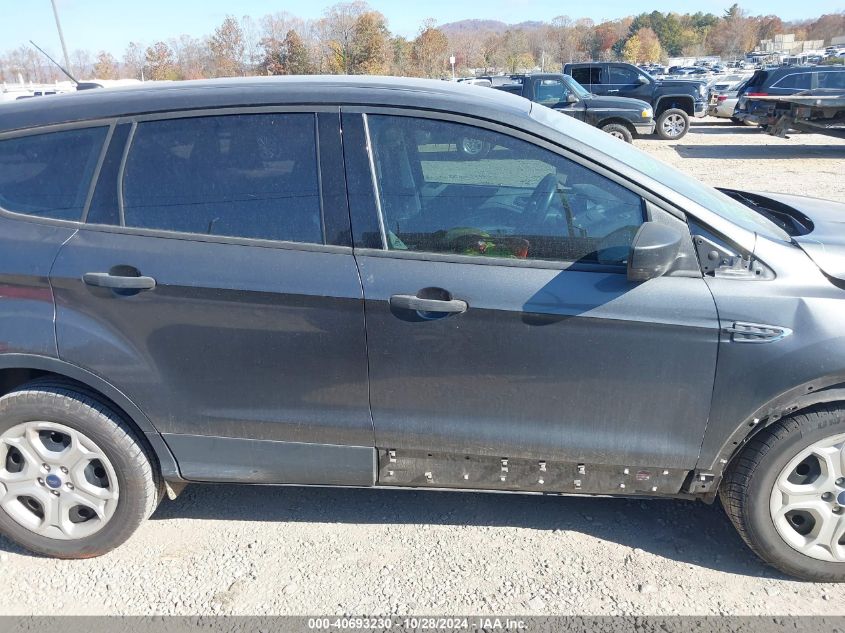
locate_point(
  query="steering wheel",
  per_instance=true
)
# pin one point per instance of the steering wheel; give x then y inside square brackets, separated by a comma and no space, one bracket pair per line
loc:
[541,198]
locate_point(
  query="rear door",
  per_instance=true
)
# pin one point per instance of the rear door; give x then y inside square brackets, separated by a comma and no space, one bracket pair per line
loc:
[214,284]
[500,321]
[589,76]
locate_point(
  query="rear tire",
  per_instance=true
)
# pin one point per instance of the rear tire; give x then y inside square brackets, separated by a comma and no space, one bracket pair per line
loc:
[672,124]
[785,494]
[619,131]
[737,121]
[83,479]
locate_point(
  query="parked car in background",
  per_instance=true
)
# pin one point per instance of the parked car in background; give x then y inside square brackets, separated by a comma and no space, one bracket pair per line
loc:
[781,82]
[673,101]
[618,116]
[724,97]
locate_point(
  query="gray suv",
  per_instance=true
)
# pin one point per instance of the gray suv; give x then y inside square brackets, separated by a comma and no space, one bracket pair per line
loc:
[304,281]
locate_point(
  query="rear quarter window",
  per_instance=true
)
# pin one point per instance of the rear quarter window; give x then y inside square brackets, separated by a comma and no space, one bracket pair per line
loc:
[48,175]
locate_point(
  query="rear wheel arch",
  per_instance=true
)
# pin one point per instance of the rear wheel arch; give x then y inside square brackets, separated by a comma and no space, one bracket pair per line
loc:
[17,370]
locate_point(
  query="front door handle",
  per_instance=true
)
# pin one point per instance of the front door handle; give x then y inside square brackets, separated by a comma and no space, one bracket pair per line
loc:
[609,91]
[412,302]
[118,282]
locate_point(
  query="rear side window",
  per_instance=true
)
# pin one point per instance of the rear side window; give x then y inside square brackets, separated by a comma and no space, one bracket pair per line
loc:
[586,75]
[49,175]
[796,81]
[250,175]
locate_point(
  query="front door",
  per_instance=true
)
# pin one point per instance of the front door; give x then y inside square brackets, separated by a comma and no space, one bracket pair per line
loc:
[212,296]
[500,320]
[625,81]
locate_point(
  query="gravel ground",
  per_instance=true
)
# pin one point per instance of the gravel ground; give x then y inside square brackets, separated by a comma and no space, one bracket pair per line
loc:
[252,550]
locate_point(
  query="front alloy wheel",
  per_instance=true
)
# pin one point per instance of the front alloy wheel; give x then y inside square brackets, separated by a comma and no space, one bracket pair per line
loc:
[808,501]
[785,493]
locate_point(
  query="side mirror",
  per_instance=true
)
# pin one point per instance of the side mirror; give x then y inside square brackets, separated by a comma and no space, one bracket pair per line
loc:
[643,79]
[571,98]
[653,251]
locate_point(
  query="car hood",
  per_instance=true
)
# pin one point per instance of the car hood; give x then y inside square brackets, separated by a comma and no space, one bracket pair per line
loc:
[823,235]
[617,103]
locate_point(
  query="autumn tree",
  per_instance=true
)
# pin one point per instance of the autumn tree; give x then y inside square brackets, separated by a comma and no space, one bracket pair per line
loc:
[159,62]
[371,44]
[401,63]
[227,48]
[105,66]
[430,50]
[134,60]
[81,63]
[338,29]
[286,57]
[192,57]
[516,53]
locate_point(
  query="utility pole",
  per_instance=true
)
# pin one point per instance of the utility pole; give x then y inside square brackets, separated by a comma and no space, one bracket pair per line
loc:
[61,35]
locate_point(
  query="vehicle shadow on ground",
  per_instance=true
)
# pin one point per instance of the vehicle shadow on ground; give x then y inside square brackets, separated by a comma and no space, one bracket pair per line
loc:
[684,531]
[688,532]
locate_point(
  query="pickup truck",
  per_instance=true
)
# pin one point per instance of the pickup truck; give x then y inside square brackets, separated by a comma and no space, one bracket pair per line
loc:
[674,100]
[620,117]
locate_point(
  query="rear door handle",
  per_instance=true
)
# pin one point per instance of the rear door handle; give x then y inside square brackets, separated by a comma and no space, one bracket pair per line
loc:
[412,302]
[105,280]
[609,91]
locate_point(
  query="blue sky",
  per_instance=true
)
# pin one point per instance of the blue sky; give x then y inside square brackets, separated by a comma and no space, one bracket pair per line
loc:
[111,24]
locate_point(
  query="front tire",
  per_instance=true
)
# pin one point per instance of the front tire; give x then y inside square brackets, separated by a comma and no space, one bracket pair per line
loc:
[785,494]
[619,131]
[672,124]
[75,479]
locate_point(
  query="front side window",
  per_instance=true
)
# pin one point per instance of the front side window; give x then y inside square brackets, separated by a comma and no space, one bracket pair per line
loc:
[622,75]
[453,188]
[249,175]
[551,92]
[49,175]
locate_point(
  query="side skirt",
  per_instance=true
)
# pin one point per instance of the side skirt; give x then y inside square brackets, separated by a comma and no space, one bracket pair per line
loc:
[420,469]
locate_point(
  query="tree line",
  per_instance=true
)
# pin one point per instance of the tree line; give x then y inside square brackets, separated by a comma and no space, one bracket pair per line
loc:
[352,38]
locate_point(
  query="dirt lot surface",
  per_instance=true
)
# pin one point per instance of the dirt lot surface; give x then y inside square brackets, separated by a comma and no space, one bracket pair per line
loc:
[250,550]
[726,155]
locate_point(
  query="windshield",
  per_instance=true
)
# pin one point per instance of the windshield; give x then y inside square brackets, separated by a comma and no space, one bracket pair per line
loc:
[577,89]
[649,75]
[689,187]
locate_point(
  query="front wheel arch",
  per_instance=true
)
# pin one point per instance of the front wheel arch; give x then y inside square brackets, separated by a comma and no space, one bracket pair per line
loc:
[675,102]
[823,391]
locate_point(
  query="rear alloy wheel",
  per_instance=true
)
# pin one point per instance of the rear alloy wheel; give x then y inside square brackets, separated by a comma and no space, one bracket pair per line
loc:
[785,493]
[619,131]
[672,124]
[75,479]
